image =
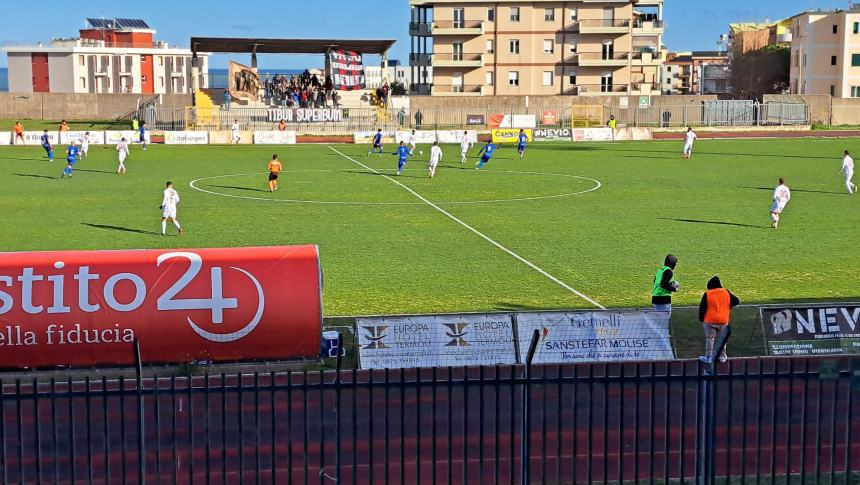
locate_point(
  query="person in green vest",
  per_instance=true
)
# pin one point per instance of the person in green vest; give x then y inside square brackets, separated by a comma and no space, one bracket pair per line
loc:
[135,124]
[612,123]
[665,285]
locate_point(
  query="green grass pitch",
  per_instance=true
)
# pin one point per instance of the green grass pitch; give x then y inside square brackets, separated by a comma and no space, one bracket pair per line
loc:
[386,251]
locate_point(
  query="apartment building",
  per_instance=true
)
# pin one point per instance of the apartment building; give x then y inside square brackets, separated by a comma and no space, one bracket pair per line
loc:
[109,56]
[538,47]
[696,72]
[825,53]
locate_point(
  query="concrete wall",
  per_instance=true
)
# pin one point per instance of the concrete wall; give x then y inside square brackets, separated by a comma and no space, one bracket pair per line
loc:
[819,104]
[56,106]
[515,102]
[62,71]
[20,73]
[845,111]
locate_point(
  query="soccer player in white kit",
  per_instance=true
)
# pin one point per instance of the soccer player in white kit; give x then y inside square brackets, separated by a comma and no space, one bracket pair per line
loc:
[168,208]
[122,149]
[411,142]
[435,158]
[848,170]
[464,146]
[234,130]
[689,138]
[85,144]
[781,196]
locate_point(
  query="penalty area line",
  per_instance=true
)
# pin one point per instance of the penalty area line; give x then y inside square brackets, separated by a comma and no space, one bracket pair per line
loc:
[475,231]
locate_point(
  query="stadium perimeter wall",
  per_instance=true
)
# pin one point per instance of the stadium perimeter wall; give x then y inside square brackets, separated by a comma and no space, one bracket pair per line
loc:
[515,102]
[68,106]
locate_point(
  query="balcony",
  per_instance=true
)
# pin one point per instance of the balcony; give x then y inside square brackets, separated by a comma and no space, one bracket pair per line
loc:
[420,89]
[589,89]
[645,88]
[447,59]
[420,60]
[604,26]
[457,90]
[603,59]
[647,58]
[653,26]
[458,27]
[420,29]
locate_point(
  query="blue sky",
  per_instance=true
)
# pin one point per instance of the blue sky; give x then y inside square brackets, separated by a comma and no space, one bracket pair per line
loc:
[690,24]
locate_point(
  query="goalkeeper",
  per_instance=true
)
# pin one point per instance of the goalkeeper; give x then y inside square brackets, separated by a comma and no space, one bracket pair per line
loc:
[665,285]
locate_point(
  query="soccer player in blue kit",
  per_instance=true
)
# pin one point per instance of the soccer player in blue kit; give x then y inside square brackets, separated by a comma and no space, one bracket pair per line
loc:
[522,139]
[377,143]
[487,151]
[71,158]
[403,153]
[143,134]
[46,144]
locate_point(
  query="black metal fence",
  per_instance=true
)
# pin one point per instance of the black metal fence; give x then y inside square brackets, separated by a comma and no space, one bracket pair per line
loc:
[789,420]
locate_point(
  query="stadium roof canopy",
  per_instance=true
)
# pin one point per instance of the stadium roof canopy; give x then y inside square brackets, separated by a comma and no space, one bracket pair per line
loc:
[287,46]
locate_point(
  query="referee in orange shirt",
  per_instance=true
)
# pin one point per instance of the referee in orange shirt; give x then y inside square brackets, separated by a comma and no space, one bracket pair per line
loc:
[274,170]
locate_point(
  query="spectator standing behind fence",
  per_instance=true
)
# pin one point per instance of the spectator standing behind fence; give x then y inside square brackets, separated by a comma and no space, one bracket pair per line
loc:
[665,285]
[227,99]
[714,313]
[612,123]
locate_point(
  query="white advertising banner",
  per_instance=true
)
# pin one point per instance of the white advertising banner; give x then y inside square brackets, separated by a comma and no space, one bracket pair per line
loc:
[421,136]
[435,341]
[186,137]
[592,134]
[365,137]
[114,137]
[603,336]
[635,134]
[96,137]
[5,138]
[35,137]
[275,137]
[513,121]
[455,136]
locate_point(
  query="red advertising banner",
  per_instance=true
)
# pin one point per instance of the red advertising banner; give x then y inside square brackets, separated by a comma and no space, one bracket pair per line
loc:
[84,308]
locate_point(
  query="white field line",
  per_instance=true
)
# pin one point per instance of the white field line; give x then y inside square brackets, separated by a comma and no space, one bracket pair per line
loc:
[477,232]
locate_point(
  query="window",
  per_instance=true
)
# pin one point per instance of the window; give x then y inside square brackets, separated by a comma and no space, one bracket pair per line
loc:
[459,18]
[143,79]
[514,78]
[832,60]
[804,60]
[571,79]
[491,14]
[549,14]
[489,78]
[855,60]
[572,46]
[832,90]
[160,60]
[835,29]
[491,46]
[606,83]
[857,27]
[458,51]
[855,91]
[548,46]
[514,46]
[83,83]
[515,14]
[82,60]
[547,78]
[574,15]
[161,81]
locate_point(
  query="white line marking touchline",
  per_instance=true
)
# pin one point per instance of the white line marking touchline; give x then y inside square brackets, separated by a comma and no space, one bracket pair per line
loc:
[478,233]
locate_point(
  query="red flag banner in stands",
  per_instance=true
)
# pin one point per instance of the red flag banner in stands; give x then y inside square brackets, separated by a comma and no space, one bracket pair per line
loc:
[84,308]
[347,70]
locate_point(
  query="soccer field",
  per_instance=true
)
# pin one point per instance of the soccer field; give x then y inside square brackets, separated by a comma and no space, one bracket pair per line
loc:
[570,226]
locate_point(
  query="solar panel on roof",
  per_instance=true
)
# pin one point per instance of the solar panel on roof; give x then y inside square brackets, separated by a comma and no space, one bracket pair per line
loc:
[118,23]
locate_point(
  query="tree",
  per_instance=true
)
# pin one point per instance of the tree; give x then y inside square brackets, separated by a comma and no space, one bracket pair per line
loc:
[764,71]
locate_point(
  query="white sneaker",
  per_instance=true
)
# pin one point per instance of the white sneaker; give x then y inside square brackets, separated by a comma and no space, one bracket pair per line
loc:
[724,358]
[704,359]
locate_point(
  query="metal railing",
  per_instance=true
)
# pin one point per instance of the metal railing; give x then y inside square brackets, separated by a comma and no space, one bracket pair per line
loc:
[603,56]
[456,56]
[454,88]
[457,24]
[603,23]
[777,420]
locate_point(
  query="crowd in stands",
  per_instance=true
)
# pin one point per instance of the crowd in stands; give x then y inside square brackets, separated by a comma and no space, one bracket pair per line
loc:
[300,91]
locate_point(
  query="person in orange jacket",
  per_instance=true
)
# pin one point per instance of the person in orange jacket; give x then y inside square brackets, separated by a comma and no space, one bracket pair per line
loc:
[715,313]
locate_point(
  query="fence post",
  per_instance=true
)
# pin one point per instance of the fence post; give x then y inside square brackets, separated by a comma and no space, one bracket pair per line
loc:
[141,429]
[525,445]
[337,406]
[708,453]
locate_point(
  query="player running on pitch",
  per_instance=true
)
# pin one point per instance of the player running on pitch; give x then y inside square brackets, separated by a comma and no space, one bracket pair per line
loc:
[412,141]
[122,150]
[848,170]
[403,154]
[522,139]
[235,133]
[435,158]
[85,144]
[143,134]
[46,144]
[781,196]
[376,144]
[168,209]
[487,151]
[71,157]
[689,138]
[465,144]
[275,168]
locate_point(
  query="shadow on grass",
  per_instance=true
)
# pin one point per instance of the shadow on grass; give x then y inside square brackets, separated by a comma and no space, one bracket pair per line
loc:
[249,189]
[120,229]
[509,306]
[32,175]
[92,171]
[26,159]
[758,155]
[807,191]
[719,223]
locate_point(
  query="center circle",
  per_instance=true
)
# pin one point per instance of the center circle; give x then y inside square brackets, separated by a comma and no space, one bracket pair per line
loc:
[208,185]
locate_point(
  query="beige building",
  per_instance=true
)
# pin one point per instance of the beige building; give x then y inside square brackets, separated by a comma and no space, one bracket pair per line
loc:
[537,47]
[825,53]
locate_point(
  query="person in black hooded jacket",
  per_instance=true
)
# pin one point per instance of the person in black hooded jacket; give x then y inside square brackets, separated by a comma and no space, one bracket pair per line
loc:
[715,313]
